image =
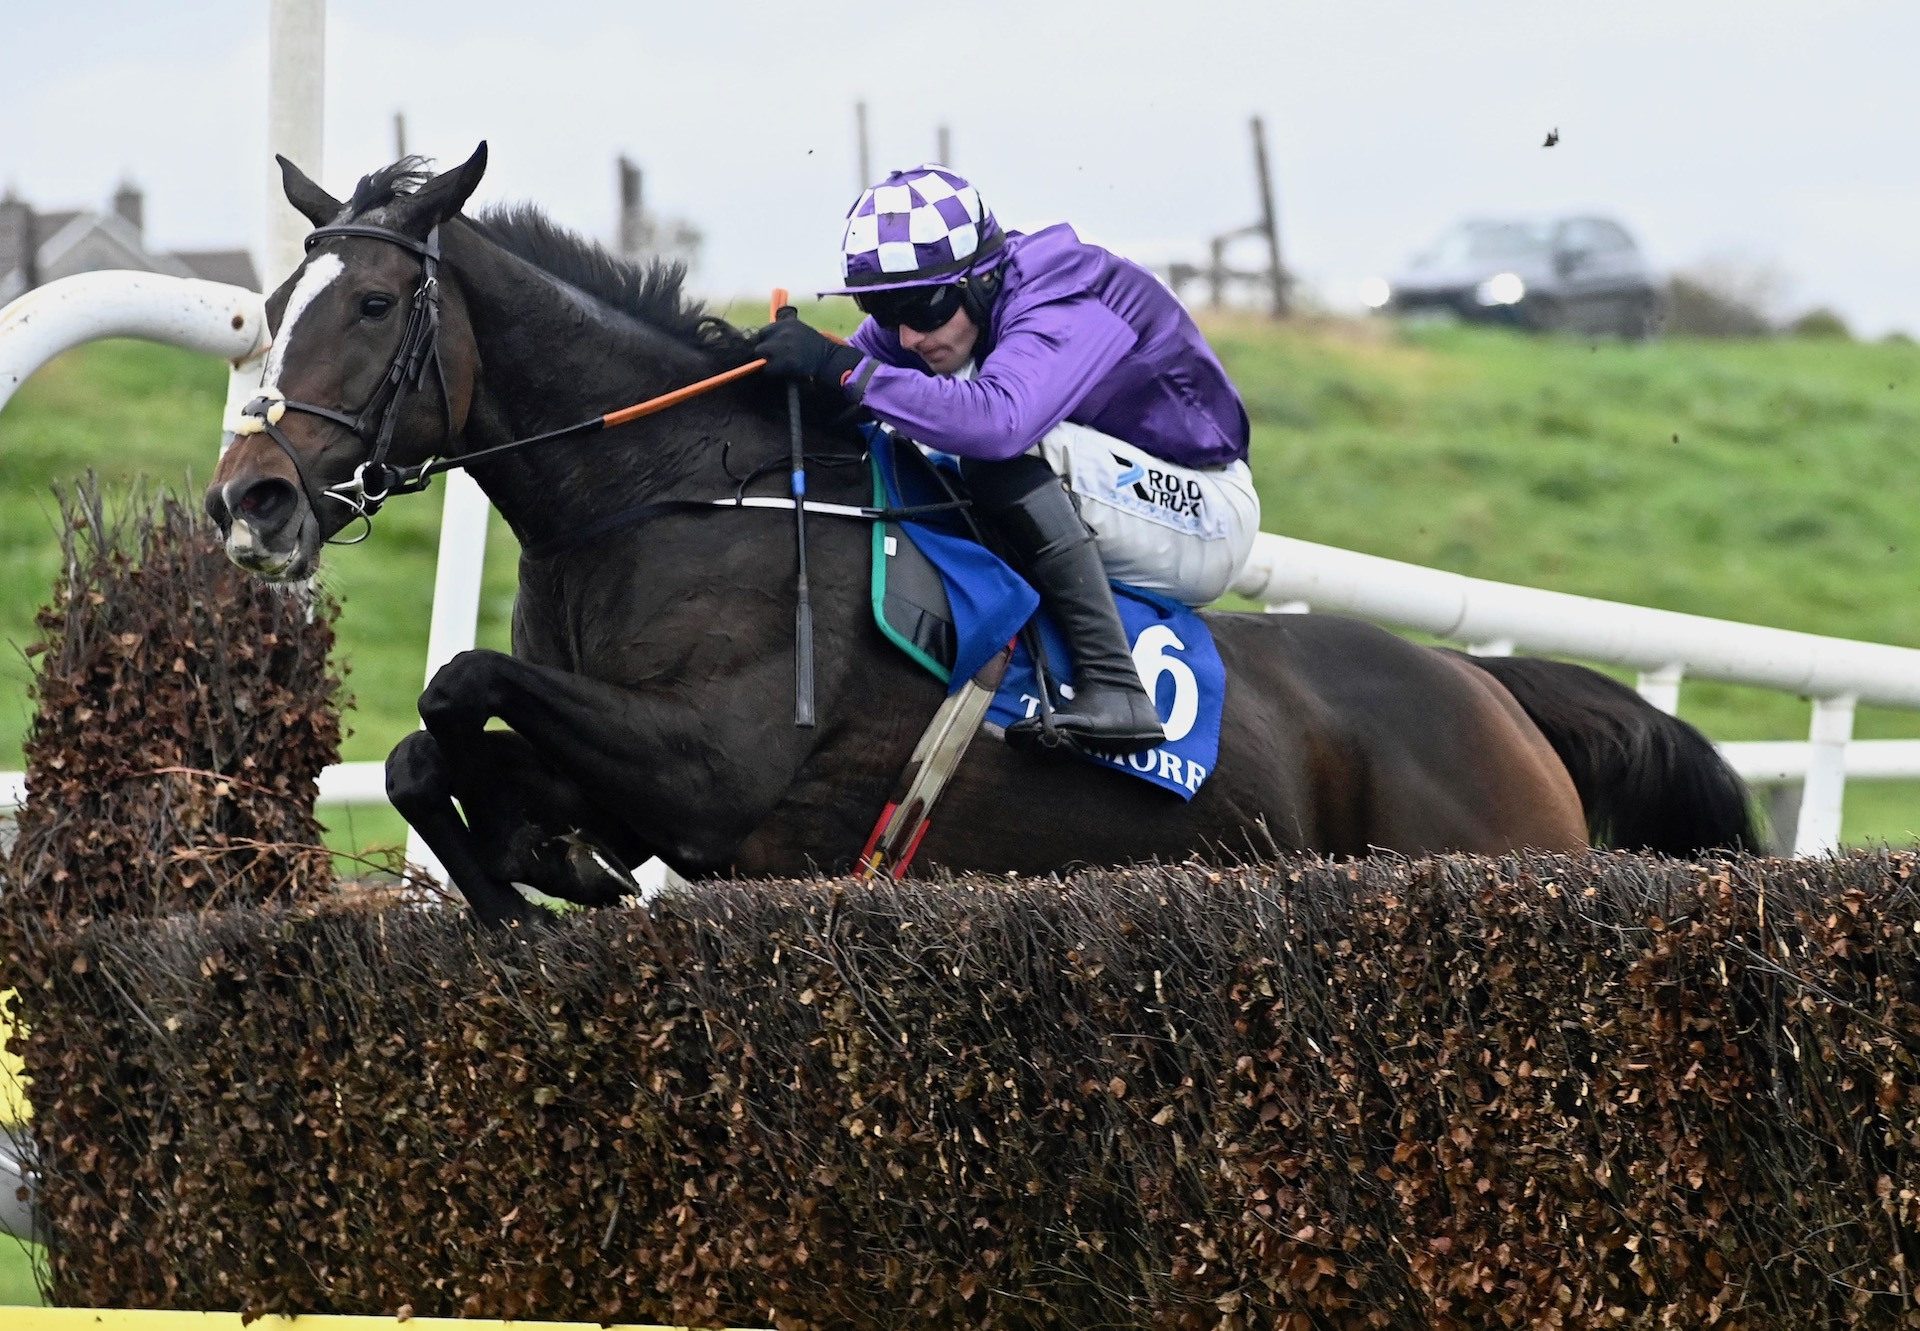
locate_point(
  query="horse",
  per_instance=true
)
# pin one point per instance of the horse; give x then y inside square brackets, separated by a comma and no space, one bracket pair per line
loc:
[646,706]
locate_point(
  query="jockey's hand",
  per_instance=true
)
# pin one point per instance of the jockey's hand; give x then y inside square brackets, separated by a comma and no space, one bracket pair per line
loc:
[799,351]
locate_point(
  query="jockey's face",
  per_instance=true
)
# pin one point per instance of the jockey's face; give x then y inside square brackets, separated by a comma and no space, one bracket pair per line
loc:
[947,347]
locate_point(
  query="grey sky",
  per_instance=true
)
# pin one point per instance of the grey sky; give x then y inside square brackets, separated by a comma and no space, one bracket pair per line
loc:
[1780,133]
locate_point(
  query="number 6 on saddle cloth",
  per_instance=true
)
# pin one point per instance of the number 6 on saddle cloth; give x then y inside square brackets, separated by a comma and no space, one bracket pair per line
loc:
[951,604]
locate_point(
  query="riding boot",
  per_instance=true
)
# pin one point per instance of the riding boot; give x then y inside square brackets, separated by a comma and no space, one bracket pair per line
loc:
[1034,514]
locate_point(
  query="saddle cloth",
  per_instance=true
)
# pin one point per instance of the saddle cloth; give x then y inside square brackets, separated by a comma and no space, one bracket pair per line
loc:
[950,604]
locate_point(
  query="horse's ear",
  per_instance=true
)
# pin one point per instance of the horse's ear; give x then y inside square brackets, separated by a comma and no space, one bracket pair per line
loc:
[444,195]
[313,203]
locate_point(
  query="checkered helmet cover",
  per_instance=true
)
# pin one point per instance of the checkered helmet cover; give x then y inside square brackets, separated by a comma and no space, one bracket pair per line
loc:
[916,228]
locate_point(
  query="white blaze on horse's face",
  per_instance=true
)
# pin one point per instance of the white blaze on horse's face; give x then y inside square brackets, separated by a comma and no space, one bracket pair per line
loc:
[319,275]
[244,545]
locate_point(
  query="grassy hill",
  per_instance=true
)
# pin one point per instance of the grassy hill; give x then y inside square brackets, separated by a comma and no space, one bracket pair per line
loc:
[1763,481]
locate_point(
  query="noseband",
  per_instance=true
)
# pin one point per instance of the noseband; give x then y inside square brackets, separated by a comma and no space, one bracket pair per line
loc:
[374,480]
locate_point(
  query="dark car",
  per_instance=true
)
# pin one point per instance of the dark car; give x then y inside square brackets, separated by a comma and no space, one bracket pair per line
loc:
[1581,274]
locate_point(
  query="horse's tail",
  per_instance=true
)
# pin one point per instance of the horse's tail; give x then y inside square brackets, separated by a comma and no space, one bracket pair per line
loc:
[1647,780]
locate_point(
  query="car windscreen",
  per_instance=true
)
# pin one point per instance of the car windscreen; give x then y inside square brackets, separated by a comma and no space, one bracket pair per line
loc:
[1480,242]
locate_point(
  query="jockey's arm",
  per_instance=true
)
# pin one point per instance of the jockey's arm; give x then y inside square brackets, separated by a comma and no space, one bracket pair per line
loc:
[1042,365]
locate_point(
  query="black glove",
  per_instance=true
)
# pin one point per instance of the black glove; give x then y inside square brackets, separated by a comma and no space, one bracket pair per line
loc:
[799,351]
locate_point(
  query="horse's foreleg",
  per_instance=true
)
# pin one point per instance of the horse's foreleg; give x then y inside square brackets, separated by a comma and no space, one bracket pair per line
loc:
[690,782]
[538,826]
[420,785]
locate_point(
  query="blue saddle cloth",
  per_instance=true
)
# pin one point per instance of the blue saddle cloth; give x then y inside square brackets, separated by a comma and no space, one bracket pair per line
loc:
[987,603]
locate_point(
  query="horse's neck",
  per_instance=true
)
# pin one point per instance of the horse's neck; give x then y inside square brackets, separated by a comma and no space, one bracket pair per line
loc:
[549,357]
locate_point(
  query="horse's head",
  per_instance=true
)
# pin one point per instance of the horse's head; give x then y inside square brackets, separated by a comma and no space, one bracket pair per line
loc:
[372,367]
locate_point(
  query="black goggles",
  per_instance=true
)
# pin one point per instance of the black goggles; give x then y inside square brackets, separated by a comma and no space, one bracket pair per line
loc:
[923,309]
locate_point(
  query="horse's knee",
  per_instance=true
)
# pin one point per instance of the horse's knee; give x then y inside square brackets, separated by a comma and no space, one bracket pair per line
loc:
[464,689]
[418,777]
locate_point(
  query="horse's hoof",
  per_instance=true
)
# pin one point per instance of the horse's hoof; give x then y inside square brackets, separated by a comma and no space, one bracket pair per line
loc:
[518,916]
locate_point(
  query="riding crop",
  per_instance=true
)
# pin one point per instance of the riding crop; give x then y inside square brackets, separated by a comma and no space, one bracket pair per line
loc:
[797,484]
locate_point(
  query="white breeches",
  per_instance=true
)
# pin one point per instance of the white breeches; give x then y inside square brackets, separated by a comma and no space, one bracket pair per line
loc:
[1183,532]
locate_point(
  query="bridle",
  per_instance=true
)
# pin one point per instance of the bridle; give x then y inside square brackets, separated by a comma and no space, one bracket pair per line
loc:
[374,481]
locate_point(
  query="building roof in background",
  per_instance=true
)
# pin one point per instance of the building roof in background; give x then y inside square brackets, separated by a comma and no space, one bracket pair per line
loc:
[234,267]
[58,232]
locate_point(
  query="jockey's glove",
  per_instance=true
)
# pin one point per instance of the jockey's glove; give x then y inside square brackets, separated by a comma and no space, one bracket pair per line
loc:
[795,350]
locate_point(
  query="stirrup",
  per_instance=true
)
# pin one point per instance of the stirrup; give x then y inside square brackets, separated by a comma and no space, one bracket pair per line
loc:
[1037,735]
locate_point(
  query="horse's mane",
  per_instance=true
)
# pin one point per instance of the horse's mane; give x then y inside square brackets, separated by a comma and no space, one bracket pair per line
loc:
[652,292]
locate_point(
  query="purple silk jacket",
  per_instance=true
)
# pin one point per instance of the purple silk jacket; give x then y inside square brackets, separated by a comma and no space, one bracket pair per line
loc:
[1079,334]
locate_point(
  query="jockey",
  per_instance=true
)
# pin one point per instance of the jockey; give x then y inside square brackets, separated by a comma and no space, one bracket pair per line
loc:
[1096,431]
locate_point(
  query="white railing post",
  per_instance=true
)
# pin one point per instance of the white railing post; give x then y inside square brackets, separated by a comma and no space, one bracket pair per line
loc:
[296,91]
[1661,687]
[209,317]
[1825,791]
[1289,608]
[1491,647]
[456,601]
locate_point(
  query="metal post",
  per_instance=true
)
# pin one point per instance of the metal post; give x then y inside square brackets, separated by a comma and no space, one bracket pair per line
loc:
[1217,272]
[944,150]
[296,68]
[399,135]
[1826,787]
[1269,221]
[860,143]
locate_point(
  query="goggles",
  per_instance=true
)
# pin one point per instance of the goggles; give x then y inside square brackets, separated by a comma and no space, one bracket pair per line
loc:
[923,309]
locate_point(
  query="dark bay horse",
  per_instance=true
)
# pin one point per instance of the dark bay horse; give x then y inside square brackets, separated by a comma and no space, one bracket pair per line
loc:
[648,698]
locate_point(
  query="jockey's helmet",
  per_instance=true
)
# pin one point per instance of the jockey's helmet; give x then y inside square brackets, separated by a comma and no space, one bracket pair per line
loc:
[924,227]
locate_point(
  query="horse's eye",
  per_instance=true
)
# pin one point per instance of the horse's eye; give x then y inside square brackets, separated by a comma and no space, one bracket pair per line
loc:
[375,307]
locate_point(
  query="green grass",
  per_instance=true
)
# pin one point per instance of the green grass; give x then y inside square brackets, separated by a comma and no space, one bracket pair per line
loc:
[1763,481]
[16,1273]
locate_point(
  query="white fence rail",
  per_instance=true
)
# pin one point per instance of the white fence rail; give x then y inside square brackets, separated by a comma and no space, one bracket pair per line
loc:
[1497,618]
[209,317]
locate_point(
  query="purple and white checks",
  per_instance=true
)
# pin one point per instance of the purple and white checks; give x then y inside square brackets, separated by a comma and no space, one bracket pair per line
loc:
[915,228]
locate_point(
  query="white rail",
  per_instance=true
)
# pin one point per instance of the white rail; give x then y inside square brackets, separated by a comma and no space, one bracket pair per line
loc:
[209,317]
[1498,618]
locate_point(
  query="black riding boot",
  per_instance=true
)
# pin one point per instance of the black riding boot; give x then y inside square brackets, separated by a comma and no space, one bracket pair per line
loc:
[1029,507]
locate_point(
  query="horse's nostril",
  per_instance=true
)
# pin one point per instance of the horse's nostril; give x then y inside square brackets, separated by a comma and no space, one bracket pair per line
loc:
[265,503]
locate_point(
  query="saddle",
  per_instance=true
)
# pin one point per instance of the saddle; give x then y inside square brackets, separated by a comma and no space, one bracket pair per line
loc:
[951,605]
